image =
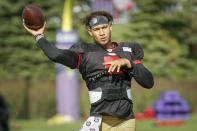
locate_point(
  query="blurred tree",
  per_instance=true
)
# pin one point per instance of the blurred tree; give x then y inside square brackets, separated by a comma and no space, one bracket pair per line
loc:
[19,55]
[166,28]
[157,25]
[20,58]
[189,16]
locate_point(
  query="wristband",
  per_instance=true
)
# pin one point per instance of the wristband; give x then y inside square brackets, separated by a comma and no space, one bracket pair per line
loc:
[38,36]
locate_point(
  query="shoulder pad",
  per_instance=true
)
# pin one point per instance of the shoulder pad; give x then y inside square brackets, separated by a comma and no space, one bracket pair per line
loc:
[137,49]
[78,47]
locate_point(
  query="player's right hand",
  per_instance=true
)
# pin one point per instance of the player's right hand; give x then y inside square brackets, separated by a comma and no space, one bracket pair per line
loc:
[35,32]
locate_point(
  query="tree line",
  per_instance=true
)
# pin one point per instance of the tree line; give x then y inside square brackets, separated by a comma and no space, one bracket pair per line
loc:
[167,30]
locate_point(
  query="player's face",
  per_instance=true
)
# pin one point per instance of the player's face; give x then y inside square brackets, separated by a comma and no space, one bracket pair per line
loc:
[101,33]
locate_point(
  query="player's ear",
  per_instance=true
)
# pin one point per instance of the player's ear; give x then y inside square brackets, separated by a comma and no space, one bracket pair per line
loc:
[110,26]
[90,32]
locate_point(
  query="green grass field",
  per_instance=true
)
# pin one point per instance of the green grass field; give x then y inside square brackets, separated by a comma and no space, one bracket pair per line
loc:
[41,125]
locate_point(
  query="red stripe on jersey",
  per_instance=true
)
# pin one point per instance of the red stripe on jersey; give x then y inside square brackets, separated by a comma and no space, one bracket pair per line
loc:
[115,43]
[137,61]
[79,60]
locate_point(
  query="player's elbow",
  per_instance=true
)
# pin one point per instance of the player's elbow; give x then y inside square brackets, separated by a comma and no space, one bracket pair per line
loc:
[150,82]
[149,85]
[54,57]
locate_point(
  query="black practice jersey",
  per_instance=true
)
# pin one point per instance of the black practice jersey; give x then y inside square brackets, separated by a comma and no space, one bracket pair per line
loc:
[89,58]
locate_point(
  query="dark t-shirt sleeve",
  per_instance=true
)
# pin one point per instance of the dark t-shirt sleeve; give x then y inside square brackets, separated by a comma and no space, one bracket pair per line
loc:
[63,56]
[79,48]
[141,74]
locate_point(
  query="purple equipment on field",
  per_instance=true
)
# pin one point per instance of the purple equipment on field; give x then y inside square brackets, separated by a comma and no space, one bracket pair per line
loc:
[171,106]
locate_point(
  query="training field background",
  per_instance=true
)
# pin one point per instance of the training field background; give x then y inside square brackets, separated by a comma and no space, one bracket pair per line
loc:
[142,98]
[41,125]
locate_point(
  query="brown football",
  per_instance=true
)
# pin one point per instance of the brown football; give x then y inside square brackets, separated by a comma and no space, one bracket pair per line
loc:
[33,17]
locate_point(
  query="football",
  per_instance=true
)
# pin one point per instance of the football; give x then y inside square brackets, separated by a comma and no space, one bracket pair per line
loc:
[33,17]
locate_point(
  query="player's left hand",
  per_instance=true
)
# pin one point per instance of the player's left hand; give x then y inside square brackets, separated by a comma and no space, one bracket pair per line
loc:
[117,64]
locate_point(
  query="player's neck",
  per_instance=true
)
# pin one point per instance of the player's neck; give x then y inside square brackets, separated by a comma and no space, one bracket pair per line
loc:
[109,45]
